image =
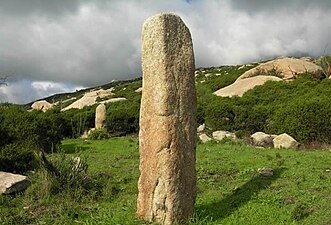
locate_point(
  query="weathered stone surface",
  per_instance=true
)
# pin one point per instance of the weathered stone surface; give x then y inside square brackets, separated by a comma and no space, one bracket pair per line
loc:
[167,183]
[100,116]
[262,139]
[204,138]
[220,135]
[285,141]
[240,87]
[42,105]
[12,183]
[89,98]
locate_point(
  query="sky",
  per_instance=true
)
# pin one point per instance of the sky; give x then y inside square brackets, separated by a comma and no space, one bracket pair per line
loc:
[49,46]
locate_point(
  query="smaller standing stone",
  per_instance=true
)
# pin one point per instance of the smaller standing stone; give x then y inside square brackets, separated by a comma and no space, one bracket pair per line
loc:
[12,183]
[100,116]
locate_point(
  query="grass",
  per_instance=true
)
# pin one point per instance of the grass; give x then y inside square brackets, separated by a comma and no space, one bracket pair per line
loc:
[230,189]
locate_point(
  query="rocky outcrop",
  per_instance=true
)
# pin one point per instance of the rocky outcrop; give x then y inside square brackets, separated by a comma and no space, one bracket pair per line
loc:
[262,139]
[89,98]
[285,141]
[220,135]
[100,116]
[285,68]
[167,182]
[240,87]
[13,183]
[42,105]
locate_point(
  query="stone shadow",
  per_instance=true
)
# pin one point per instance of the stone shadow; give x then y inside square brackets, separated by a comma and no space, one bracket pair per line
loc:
[240,196]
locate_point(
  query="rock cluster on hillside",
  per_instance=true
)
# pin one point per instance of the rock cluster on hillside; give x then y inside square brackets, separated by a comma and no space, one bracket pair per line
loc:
[286,69]
[90,98]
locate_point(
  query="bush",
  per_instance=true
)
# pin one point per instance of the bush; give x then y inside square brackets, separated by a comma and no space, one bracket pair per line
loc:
[19,126]
[99,134]
[23,134]
[307,119]
[18,158]
[75,121]
[123,117]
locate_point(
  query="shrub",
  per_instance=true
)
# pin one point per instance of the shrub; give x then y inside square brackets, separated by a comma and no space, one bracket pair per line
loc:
[18,158]
[23,134]
[99,134]
[36,127]
[123,117]
[307,119]
[75,121]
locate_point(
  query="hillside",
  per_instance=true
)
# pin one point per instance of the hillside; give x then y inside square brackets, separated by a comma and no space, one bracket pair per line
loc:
[249,100]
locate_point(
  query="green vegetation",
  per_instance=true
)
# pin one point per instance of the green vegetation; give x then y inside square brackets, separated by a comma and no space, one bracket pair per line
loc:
[99,187]
[98,134]
[23,135]
[230,189]
[300,108]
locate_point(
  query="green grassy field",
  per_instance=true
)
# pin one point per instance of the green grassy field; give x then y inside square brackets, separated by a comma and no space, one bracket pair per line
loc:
[230,189]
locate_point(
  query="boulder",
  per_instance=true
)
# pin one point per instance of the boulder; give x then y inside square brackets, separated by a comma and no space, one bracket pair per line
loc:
[42,105]
[240,87]
[220,135]
[262,139]
[285,141]
[204,138]
[286,68]
[13,183]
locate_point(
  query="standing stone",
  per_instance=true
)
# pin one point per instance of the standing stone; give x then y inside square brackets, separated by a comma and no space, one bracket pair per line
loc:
[167,183]
[100,116]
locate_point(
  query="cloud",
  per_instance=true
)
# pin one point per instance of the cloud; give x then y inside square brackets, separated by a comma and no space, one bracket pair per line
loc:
[87,43]
[21,91]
